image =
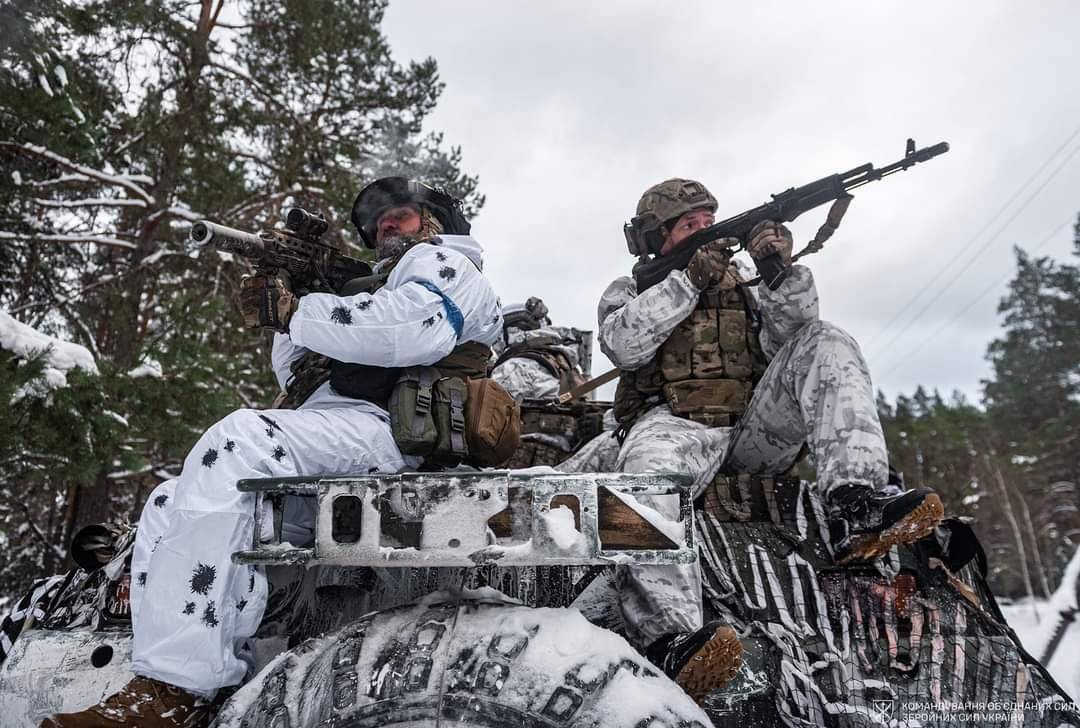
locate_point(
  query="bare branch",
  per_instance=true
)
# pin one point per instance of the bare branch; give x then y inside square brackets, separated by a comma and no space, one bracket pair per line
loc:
[260,160]
[255,87]
[138,137]
[57,551]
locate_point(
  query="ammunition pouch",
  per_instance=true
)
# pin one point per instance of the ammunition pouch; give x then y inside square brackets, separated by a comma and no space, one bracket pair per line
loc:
[492,422]
[551,432]
[449,419]
[712,402]
[553,424]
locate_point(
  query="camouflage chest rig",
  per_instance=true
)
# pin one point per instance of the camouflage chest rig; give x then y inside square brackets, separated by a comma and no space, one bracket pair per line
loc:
[707,368]
[362,381]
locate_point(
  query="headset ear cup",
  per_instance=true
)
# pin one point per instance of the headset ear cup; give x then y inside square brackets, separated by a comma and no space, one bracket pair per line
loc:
[633,242]
[644,235]
[654,241]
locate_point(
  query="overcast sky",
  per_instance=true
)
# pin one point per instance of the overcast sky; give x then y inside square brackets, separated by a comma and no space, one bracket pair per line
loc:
[567,111]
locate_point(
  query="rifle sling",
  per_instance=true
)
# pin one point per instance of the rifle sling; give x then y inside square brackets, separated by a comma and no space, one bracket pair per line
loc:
[588,386]
[832,222]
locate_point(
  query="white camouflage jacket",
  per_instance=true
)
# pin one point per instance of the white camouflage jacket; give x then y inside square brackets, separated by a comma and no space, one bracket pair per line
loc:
[633,327]
[435,298]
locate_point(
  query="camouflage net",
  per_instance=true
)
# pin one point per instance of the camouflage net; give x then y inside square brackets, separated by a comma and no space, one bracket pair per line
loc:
[904,642]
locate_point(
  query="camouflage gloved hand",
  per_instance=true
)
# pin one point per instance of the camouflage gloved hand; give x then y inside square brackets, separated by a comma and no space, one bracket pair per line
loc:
[267,302]
[768,237]
[709,263]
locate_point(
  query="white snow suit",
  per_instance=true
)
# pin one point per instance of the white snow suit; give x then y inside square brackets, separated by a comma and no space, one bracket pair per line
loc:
[816,389]
[192,607]
[525,378]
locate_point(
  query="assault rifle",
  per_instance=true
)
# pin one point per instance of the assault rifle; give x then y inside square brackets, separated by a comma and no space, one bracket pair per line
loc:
[784,207]
[314,266]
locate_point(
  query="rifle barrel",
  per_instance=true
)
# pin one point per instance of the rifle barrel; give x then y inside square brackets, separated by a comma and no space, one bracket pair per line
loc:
[225,238]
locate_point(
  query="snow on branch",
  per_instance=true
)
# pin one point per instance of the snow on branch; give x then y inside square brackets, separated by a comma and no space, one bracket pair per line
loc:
[25,342]
[181,211]
[96,239]
[92,202]
[263,200]
[61,180]
[61,356]
[111,179]
[82,178]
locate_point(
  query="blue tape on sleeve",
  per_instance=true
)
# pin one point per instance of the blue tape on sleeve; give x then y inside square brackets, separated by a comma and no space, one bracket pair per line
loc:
[453,313]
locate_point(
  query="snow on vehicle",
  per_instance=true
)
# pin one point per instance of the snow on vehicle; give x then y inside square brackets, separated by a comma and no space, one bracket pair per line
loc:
[915,639]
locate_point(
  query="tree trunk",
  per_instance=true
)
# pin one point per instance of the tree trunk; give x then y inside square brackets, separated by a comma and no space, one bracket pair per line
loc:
[1018,539]
[1041,570]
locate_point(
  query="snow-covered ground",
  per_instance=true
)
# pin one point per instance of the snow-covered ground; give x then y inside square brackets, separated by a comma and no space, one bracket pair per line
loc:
[1036,620]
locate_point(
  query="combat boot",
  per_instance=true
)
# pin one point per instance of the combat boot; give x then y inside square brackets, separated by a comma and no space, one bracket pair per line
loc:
[864,523]
[142,703]
[699,662]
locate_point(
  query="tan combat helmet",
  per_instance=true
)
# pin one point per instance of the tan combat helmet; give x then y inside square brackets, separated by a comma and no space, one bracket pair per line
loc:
[660,205]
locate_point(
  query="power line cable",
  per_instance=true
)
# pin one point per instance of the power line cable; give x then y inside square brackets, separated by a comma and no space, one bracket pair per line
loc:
[991,239]
[974,238]
[986,291]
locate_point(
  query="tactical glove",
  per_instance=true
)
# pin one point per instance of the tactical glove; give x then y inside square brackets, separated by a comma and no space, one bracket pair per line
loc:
[768,237]
[709,263]
[267,302]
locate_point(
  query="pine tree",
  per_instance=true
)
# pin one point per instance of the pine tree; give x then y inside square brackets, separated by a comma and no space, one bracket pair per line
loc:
[1033,398]
[149,117]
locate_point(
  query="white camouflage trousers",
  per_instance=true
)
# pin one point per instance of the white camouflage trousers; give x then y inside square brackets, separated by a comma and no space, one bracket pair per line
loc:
[191,606]
[816,390]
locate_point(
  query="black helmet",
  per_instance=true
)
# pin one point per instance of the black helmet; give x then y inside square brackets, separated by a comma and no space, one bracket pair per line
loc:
[388,192]
[94,545]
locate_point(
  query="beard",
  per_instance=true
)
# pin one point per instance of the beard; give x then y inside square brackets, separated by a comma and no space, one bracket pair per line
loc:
[393,245]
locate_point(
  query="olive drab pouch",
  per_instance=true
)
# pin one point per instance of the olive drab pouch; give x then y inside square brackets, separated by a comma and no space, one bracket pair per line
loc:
[451,446]
[493,421]
[412,419]
[449,419]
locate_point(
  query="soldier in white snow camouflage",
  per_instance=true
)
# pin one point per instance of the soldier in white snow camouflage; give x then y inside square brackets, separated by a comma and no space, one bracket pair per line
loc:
[193,606]
[536,360]
[718,379]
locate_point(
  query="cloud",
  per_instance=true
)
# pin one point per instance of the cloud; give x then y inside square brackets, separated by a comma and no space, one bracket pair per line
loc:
[568,111]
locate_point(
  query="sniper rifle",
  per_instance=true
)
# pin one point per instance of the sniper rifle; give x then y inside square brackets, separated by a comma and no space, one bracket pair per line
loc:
[314,266]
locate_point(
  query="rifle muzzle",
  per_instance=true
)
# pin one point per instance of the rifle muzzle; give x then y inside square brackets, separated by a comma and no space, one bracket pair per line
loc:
[230,240]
